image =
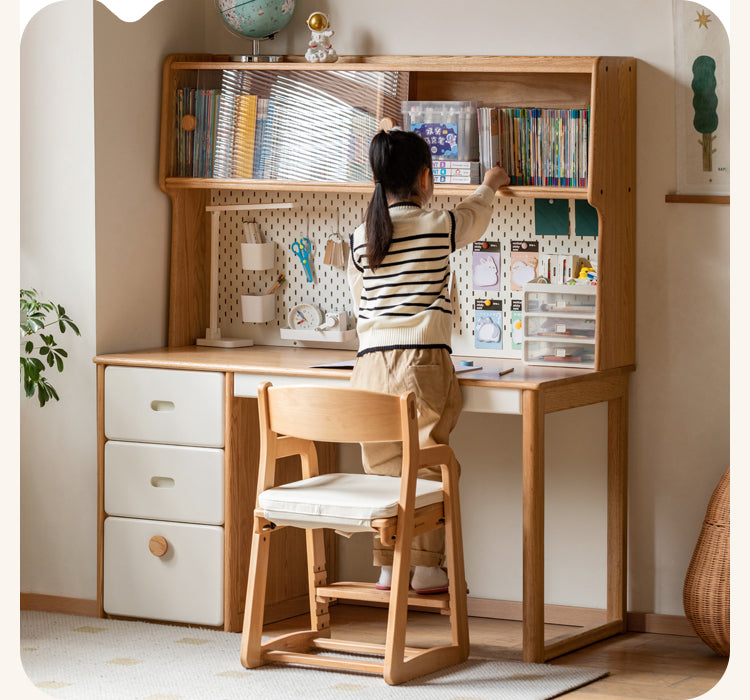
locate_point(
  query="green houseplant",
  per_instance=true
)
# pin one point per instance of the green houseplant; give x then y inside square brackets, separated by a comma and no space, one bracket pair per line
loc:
[39,350]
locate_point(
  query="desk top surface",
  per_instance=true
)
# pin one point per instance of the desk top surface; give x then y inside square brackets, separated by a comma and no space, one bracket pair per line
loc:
[296,361]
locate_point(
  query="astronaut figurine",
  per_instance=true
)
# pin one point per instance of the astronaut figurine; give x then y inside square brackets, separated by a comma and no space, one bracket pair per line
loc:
[320,49]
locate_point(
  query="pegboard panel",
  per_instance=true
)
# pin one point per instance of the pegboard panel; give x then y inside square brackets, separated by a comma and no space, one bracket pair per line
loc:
[316,216]
[512,220]
[319,216]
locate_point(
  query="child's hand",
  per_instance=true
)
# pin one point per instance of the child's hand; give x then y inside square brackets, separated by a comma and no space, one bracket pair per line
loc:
[496,177]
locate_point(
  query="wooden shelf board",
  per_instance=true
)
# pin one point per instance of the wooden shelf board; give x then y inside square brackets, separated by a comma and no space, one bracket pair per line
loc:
[191,183]
[696,199]
[495,64]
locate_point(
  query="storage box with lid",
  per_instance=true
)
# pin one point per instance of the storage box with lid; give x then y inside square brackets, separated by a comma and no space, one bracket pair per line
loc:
[450,128]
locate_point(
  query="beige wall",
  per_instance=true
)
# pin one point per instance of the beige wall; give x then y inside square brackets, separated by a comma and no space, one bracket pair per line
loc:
[679,412]
[132,214]
[58,443]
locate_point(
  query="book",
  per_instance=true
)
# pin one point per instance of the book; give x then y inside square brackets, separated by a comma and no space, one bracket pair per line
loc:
[261,124]
[537,146]
[244,138]
[197,153]
[455,167]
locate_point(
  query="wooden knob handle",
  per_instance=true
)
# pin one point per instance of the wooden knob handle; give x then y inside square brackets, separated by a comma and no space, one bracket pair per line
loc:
[158,546]
[188,122]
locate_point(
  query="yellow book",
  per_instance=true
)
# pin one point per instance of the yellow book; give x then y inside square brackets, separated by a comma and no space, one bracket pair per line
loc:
[244,136]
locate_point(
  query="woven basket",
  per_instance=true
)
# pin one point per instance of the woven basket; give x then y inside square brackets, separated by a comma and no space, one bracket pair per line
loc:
[705,595]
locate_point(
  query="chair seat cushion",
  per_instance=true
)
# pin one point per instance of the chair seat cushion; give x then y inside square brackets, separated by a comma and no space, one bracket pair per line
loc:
[345,502]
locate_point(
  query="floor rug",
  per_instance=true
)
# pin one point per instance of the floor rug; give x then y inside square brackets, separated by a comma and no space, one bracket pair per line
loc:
[84,658]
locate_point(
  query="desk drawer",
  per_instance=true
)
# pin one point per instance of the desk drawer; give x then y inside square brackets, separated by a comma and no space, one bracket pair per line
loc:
[180,407]
[185,584]
[164,482]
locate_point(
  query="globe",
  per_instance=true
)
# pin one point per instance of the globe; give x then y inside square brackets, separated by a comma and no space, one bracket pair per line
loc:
[256,19]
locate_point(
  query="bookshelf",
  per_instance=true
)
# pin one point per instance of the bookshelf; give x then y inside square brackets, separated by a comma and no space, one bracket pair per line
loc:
[376,85]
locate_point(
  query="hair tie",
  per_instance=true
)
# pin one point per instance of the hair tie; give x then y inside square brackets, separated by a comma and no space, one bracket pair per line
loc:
[378,182]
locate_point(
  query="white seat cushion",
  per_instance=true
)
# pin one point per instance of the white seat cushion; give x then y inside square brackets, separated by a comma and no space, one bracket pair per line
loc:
[345,502]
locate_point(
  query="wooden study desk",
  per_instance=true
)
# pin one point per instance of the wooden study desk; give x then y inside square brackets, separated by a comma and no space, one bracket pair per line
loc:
[531,392]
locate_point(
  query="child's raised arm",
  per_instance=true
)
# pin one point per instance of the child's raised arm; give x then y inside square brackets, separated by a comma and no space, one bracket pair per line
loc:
[473,215]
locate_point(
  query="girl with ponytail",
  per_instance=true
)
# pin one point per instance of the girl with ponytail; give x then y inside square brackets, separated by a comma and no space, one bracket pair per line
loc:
[399,276]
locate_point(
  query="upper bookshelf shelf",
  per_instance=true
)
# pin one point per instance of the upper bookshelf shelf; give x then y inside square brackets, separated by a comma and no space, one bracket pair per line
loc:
[188,183]
[301,126]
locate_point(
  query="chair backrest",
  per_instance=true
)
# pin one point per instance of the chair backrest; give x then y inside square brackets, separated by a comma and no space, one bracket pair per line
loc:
[338,414]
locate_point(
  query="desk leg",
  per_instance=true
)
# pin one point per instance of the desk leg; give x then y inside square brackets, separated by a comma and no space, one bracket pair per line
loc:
[617,506]
[533,526]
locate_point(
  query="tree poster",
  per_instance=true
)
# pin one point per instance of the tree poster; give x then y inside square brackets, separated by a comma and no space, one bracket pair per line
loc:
[702,100]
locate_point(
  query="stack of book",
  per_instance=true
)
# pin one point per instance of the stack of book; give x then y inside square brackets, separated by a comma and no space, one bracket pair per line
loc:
[538,147]
[455,172]
[233,132]
[196,136]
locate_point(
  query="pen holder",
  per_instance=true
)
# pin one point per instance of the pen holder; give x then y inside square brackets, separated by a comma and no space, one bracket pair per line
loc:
[258,309]
[258,256]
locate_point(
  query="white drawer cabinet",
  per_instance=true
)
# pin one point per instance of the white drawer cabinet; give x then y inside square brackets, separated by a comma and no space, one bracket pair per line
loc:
[163,570]
[164,482]
[164,490]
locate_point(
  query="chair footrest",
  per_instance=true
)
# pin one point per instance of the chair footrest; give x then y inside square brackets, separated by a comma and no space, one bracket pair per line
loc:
[354,590]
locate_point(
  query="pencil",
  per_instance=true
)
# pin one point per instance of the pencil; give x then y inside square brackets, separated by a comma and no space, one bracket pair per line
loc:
[505,371]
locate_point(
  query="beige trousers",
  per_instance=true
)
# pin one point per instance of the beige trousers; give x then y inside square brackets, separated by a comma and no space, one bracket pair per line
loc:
[430,375]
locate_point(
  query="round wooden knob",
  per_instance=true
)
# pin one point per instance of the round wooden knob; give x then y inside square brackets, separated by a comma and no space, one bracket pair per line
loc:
[158,546]
[188,122]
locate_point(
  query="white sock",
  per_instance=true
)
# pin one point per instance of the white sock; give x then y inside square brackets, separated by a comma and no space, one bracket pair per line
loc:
[385,576]
[426,578]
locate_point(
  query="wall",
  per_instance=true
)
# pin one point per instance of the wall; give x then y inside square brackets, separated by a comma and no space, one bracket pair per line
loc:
[95,235]
[132,214]
[58,442]
[679,412]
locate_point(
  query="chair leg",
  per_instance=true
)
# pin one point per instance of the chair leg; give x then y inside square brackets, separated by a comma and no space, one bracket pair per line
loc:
[398,608]
[454,551]
[317,576]
[255,600]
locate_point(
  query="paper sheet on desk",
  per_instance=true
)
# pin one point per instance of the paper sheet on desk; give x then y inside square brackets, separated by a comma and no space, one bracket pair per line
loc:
[349,364]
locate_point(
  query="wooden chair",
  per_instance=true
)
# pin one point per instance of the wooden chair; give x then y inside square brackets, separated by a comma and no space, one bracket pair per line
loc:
[291,419]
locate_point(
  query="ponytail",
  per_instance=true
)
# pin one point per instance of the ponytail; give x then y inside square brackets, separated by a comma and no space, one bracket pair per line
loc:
[397,158]
[378,227]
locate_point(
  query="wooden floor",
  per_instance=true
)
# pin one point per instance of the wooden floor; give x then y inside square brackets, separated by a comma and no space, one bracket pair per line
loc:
[655,666]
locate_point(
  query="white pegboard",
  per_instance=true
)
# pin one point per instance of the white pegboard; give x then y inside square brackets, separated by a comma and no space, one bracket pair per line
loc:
[320,215]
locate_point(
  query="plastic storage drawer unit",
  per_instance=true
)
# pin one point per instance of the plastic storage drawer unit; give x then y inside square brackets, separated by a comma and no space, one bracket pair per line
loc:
[559,325]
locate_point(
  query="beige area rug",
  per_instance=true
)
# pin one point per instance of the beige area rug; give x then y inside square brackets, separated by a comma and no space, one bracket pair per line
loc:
[86,658]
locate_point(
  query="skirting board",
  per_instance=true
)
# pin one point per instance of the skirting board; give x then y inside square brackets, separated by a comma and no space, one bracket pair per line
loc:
[58,604]
[652,623]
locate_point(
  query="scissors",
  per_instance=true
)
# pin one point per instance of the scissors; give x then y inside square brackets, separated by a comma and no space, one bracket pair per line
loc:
[301,248]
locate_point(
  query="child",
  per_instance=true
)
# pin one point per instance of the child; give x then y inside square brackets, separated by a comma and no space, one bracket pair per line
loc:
[399,276]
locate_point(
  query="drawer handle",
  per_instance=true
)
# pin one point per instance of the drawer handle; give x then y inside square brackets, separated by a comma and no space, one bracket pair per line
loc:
[158,545]
[162,405]
[162,482]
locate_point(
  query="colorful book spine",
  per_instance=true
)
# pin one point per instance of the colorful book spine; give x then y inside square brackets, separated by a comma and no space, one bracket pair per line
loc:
[244,140]
[541,147]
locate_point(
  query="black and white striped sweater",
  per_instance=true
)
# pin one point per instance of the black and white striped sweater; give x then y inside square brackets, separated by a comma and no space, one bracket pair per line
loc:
[406,302]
